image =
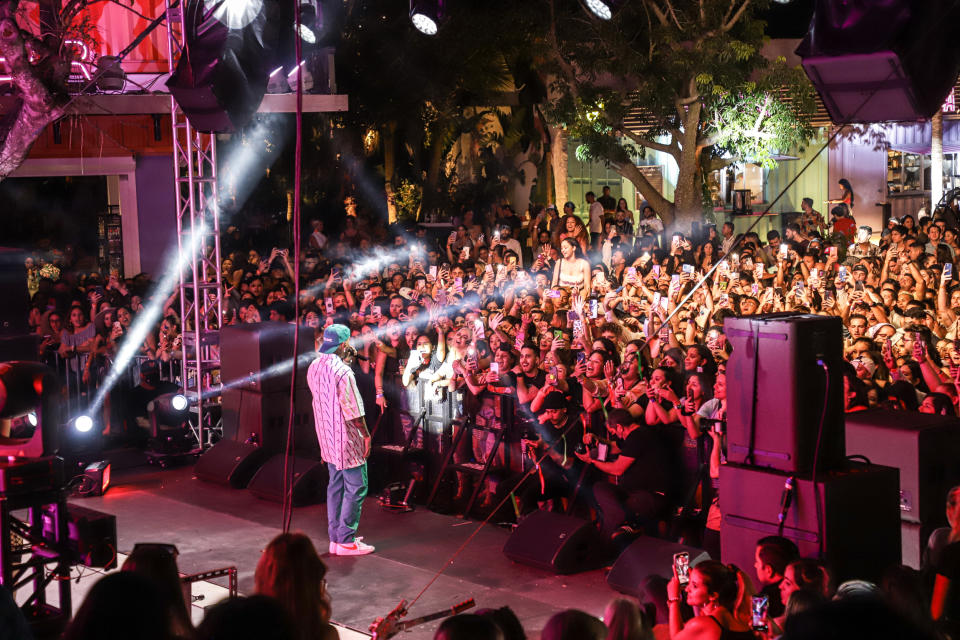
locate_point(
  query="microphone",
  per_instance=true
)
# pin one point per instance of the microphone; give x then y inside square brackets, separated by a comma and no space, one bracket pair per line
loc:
[786,498]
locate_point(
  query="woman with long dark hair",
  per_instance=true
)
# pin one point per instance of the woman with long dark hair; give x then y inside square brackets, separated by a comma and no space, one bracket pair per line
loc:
[572,270]
[713,592]
[291,571]
[158,563]
[846,194]
[572,227]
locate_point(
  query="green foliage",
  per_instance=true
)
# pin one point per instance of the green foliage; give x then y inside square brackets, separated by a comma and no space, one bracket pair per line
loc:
[660,59]
[756,126]
[407,198]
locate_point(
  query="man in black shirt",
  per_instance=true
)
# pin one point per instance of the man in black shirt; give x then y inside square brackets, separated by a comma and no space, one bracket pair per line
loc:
[638,458]
[608,201]
[773,554]
[558,434]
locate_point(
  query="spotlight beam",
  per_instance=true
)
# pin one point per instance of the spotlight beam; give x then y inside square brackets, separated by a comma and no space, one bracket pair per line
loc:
[148,317]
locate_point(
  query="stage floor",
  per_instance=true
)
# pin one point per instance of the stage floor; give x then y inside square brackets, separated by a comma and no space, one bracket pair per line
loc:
[215,527]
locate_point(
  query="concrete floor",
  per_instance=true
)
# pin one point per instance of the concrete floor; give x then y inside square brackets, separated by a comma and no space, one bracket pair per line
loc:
[215,526]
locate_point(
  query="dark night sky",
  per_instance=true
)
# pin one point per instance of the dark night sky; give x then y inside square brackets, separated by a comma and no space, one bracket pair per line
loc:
[790,20]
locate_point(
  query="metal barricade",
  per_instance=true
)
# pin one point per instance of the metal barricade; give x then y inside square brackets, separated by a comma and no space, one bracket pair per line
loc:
[80,394]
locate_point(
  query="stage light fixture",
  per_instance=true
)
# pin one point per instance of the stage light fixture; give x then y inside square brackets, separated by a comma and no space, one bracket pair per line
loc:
[168,410]
[30,400]
[427,15]
[277,81]
[603,9]
[98,476]
[307,81]
[110,75]
[83,423]
[306,34]
[236,14]
[308,14]
[179,402]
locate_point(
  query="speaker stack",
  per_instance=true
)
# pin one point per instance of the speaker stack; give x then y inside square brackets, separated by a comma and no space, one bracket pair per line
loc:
[255,364]
[925,448]
[788,400]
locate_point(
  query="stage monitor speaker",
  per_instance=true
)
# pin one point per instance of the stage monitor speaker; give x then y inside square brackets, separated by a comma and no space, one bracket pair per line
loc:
[925,448]
[871,61]
[647,556]
[221,76]
[781,355]
[555,542]
[309,481]
[230,463]
[860,510]
[253,356]
[263,418]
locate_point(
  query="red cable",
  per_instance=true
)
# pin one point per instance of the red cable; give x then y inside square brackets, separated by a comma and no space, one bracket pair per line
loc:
[288,456]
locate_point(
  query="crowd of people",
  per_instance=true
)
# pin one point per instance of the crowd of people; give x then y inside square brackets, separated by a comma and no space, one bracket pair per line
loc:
[590,338]
[785,596]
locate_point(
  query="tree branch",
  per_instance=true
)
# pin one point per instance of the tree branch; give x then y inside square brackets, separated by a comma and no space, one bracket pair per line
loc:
[660,204]
[729,24]
[38,107]
[565,66]
[671,148]
[730,19]
[673,14]
[657,11]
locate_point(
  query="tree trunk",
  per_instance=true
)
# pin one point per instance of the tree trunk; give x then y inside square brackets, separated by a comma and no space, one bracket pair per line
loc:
[558,160]
[435,161]
[389,139]
[936,159]
[687,199]
[656,200]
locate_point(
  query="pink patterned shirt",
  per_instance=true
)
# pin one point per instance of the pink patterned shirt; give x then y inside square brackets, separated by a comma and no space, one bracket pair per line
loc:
[336,400]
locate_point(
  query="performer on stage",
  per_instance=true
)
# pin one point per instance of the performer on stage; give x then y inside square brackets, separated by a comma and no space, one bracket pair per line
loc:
[344,439]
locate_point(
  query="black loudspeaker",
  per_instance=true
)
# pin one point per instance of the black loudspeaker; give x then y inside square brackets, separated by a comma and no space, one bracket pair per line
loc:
[871,61]
[16,298]
[259,356]
[309,481]
[780,354]
[925,448]
[555,542]
[647,556]
[221,76]
[92,535]
[860,509]
[263,418]
[230,463]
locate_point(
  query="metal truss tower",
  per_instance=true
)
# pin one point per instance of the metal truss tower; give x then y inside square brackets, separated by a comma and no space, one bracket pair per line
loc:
[198,242]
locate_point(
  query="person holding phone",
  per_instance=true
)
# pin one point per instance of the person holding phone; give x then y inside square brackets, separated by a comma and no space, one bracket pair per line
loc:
[636,456]
[559,430]
[712,592]
[387,379]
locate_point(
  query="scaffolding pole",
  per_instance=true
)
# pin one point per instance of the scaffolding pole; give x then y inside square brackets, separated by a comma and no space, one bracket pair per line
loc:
[198,245]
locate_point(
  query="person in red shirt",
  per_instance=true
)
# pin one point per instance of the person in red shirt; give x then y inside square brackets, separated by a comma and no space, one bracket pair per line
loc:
[843,222]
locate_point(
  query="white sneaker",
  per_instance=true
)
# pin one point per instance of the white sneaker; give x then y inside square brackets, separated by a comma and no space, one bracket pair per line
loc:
[355,548]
